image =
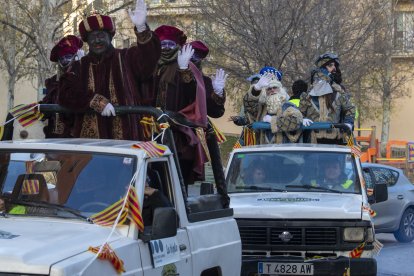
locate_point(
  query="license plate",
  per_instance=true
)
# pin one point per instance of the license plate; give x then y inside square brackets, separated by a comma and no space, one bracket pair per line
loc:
[285,268]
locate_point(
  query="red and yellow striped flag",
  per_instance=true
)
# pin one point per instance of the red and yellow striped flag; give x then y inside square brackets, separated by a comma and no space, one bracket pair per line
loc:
[371,212]
[152,148]
[27,114]
[108,216]
[134,212]
[219,134]
[30,187]
[109,254]
[355,149]
[149,127]
[131,210]
[237,145]
[249,137]
[357,252]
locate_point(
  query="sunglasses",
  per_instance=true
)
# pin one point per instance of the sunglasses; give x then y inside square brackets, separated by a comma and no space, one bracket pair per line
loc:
[272,88]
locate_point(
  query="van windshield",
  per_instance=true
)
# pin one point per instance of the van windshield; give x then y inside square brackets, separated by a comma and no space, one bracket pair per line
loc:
[82,182]
[308,171]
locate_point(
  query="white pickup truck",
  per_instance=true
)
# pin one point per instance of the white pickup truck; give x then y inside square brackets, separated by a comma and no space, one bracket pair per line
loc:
[301,210]
[52,188]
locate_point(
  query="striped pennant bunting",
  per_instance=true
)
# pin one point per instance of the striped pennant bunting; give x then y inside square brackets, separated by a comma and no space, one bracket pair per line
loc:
[219,134]
[107,253]
[108,216]
[131,211]
[30,187]
[134,212]
[152,148]
[371,212]
[357,252]
[355,149]
[237,145]
[27,114]
[249,137]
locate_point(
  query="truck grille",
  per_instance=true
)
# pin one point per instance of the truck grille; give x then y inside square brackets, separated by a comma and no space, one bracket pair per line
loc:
[299,235]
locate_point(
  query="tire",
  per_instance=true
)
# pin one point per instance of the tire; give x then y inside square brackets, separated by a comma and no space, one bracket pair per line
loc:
[406,231]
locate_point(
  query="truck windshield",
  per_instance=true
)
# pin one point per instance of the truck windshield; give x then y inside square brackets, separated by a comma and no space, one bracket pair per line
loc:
[308,171]
[86,183]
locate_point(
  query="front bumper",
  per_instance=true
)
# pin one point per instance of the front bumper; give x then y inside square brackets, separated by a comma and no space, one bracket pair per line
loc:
[361,266]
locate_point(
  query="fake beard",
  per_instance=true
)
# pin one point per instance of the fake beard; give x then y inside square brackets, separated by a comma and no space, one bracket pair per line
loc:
[274,102]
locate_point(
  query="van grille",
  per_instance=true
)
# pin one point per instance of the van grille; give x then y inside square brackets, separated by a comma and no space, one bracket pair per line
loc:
[299,235]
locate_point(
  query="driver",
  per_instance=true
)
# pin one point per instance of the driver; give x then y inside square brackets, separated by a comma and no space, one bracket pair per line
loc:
[333,176]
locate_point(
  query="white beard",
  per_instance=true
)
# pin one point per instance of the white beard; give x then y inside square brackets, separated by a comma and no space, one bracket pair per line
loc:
[274,102]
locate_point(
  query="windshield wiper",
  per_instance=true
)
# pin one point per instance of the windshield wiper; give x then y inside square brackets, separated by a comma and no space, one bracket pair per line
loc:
[52,205]
[260,188]
[308,187]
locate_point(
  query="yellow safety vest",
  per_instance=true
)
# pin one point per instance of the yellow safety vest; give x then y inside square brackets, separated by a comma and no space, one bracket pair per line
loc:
[295,102]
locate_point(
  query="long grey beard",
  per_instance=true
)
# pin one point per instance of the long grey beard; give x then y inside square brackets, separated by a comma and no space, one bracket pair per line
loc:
[274,102]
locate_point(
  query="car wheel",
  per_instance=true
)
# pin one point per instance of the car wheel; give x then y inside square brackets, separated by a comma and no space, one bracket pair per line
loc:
[406,231]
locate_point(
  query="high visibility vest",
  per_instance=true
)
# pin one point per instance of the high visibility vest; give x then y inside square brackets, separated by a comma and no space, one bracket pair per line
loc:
[295,102]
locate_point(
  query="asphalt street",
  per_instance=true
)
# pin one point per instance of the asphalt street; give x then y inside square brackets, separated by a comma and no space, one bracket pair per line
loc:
[395,258]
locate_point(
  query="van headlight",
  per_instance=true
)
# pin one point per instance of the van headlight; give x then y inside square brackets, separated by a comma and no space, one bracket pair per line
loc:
[370,235]
[354,234]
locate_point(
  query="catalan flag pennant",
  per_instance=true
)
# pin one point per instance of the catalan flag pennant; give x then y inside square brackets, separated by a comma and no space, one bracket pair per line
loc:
[347,272]
[134,212]
[249,137]
[107,253]
[27,114]
[237,145]
[371,212]
[149,126]
[355,149]
[219,134]
[357,252]
[152,148]
[30,187]
[131,210]
[108,216]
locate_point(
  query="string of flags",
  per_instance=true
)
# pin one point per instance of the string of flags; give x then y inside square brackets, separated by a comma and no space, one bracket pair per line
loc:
[130,209]
[151,148]
[107,253]
[26,114]
[371,212]
[355,149]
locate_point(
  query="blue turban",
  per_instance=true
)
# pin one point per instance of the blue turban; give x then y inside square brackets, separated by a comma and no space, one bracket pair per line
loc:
[269,69]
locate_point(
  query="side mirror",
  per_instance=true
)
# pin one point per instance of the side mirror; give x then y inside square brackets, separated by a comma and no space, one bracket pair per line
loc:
[380,193]
[206,188]
[164,223]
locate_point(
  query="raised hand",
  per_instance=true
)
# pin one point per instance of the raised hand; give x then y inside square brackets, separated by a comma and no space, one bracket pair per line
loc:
[264,81]
[184,56]
[139,15]
[219,81]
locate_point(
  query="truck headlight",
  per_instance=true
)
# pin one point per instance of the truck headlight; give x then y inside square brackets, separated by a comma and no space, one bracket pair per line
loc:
[354,234]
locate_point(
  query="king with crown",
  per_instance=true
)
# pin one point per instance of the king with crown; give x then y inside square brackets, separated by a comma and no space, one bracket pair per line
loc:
[107,77]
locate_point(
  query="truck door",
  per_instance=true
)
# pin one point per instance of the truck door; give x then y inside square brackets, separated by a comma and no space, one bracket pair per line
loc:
[159,178]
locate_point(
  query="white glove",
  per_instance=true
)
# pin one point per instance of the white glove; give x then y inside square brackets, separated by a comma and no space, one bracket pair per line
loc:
[307,122]
[349,126]
[219,81]
[263,81]
[109,110]
[267,118]
[139,15]
[184,56]
[79,54]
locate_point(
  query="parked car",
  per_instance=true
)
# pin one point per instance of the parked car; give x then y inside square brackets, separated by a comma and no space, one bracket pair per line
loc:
[395,215]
